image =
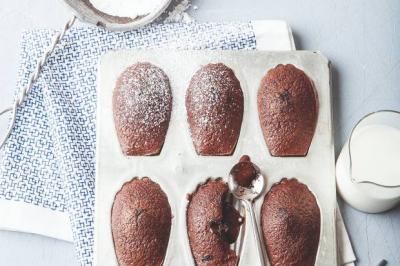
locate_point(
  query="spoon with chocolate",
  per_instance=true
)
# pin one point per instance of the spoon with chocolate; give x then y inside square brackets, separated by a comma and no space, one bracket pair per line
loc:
[247,183]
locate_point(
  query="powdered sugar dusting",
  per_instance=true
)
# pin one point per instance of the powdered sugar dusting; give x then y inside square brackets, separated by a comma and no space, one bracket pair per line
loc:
[142,106]
[179,13]
[145,94]
[215,107]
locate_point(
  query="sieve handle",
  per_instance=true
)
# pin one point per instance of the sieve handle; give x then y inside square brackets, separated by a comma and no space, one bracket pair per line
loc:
[32,79]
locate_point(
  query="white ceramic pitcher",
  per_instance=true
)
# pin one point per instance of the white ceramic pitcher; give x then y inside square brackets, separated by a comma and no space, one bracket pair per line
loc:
[368,167]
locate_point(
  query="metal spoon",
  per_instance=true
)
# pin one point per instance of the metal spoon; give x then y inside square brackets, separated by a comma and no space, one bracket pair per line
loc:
[247,195]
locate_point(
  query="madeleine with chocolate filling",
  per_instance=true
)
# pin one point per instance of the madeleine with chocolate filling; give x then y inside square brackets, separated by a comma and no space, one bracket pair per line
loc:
[142,103]
[213,224]
[214,104]
[290,221]
[141,223]
[288,110]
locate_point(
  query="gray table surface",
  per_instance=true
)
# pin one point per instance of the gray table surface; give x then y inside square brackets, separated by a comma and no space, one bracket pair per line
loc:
[361,38]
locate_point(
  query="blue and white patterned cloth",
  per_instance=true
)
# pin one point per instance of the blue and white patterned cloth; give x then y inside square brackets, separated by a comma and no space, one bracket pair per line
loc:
[49,159]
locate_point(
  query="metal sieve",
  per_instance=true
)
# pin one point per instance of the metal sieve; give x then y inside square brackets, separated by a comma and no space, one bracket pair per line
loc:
[85,11]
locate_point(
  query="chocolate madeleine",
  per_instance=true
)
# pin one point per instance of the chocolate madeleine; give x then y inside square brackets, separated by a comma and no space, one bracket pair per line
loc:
[141,223]
[212,224]
[214,104]
[288,110]
[142,103]
[290,221]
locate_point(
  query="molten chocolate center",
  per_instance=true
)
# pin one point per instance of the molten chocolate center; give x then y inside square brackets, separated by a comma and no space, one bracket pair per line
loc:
[228,228]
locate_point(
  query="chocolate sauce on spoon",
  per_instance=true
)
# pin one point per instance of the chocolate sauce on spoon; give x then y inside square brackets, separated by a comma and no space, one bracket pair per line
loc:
[244,172]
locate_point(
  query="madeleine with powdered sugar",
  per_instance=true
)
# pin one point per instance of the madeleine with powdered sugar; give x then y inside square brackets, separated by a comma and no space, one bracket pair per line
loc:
[214,104]
[142,103]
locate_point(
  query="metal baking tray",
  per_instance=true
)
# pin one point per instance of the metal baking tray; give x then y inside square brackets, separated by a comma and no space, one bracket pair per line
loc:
[178,169]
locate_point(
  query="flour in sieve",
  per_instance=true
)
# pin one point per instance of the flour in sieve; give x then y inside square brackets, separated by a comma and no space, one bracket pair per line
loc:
[127,8]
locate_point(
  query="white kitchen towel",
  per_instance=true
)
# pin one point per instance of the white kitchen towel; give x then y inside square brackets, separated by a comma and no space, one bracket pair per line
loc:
[47,166]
